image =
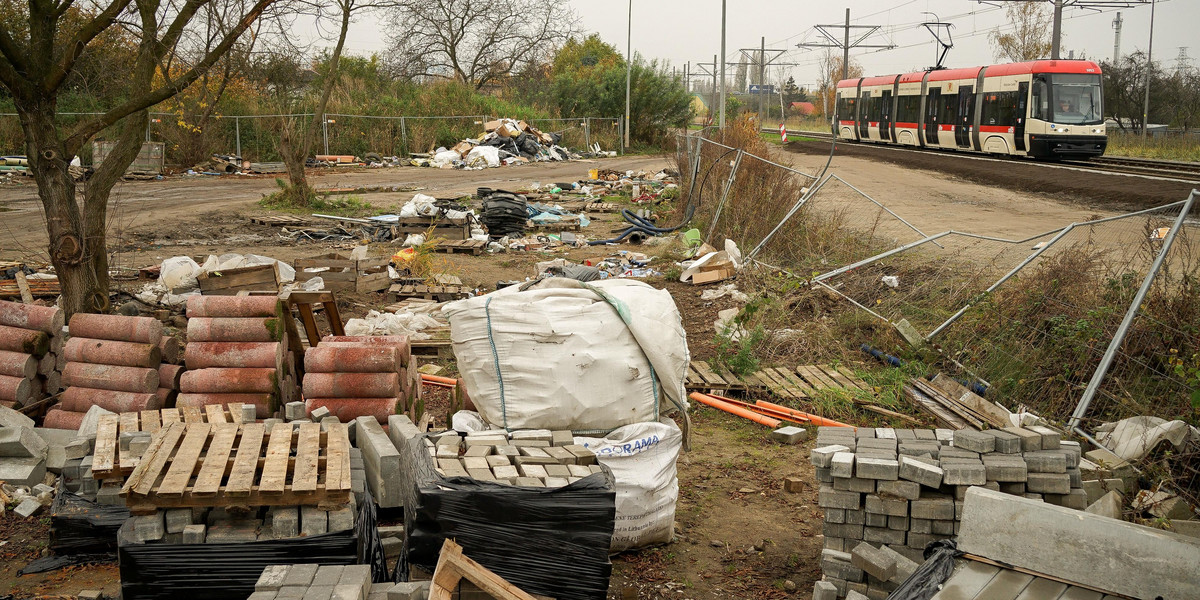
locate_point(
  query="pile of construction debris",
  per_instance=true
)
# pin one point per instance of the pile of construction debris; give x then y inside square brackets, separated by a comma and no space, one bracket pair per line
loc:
[503,142]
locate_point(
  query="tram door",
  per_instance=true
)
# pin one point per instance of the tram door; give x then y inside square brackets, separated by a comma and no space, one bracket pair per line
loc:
[1022,112]
[864,116]
[931,116]
[966,116]
[885,119]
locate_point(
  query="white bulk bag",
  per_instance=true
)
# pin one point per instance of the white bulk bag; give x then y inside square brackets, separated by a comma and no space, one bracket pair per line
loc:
[562,354]
[642,460]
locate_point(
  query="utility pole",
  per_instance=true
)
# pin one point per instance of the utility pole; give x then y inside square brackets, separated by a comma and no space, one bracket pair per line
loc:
[1117,22]
[722,123]
[845,43]
[762,73]
[710,69]
[1056,36]
[759,58]
[628,69]
[1149,69]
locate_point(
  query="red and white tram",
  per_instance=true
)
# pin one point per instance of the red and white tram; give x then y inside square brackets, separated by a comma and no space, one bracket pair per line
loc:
[1044,109]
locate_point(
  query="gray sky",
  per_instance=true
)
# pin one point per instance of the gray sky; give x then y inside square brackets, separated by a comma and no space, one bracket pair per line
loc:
[679,31]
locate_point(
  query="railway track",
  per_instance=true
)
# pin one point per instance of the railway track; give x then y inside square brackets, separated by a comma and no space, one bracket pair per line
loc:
[1165,169]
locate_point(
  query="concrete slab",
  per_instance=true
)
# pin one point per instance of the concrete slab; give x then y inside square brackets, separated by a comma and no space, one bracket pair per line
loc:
[381,461]
[1121,557]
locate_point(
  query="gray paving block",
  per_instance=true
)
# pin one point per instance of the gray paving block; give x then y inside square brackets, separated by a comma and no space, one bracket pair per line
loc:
[877,468]
[909,490]
[823,456]
[357,575]
[381,460]
[822,590]
[786,435]
[1030,440]
[284,521]
[12,418]
[884,535]
[409,590]
[975,441]
[271,579]
[313,521]
[854,484]
[932,508]
[28,507]
[1006,443]
[963,473]
[875,562]
[881,505]
[148,528]
[301,575]
[1051,439]
[177,518]
[328,575]
[904,566]
[1046,461]
[842,464]
[21,442]
[828,497]
[1005,468]
[920,472]
[1048,483]
[194,534]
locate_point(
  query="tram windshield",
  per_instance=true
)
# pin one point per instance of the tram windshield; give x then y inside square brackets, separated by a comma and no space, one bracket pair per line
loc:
[1076,99]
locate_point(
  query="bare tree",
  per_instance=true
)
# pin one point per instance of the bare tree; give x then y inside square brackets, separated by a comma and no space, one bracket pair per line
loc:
[831,74]
[39,49]
[476,42]
[1031,37]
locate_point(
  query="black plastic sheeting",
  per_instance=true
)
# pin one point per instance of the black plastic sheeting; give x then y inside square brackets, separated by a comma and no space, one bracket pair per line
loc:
[547,541]
[229,571]
[926,581]
[80,526]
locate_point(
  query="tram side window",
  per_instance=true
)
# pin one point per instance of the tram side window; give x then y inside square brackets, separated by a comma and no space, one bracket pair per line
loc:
[867,110]
[948,111]
[908,109]
[999,108]
[1041,101]
[845,108]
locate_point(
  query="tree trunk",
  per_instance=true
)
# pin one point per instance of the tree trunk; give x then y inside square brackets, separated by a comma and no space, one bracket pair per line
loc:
[130,132]
[73,246]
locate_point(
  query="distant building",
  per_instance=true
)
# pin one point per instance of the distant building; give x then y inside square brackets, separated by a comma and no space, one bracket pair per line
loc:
[804,108]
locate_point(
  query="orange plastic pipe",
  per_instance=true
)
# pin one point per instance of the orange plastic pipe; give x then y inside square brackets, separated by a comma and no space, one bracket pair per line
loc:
[785,415]
[735,410]
[815,419]
[438,379]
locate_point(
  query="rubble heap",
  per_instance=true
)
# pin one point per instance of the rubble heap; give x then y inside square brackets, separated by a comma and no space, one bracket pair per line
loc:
[888,493]
[31,345]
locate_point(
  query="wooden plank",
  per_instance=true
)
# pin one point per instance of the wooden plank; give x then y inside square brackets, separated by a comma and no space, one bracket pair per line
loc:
[772,382]
[754,381]
[192,414]
[730,379]
[989,411]
[816,378]
[855,379]
[308,447]
[949,404]
[216,461]
[105,455]
[705,372]
[837,377]
[453,566]
[275,470]
[215,413]
[129,422]
[183,465]
[875,408]
[795,383]
[943,416]
[143,478]
[245,462]
[337,463]
[150,421]
[235,412]
[170,415]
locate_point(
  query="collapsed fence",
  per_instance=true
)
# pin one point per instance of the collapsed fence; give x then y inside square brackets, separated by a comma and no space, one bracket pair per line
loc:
[1084,323]
[191,139]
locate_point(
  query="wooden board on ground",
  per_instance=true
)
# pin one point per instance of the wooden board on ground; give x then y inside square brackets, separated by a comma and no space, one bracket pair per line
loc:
[927,404]
[278,220]
[441,293]
[229,282]
[187,463]
[988,411]
[554,227]
[473,247]
[109,462]
[453,567]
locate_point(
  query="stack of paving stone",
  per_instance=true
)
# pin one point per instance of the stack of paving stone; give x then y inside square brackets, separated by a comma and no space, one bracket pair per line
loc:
[31,343]
[112,363]
[524,457]
[898,490]
[321,582]
[22,451]
[236,352]
[355,376]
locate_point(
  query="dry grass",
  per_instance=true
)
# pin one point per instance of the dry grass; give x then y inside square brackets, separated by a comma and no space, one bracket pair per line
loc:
[1161,147]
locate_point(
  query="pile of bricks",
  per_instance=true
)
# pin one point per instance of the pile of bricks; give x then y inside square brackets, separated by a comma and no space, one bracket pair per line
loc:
[887,493]
[524,457]
[112,363]
[320,582]
[236,352]
[355,376]
[31,343]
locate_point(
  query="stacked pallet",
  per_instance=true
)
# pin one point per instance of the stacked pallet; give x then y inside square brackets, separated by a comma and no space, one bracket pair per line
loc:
[355,376]
[237,353]
[31,342]
[112,362]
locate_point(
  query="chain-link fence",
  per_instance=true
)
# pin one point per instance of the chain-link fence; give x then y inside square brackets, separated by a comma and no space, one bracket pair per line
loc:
[190,139]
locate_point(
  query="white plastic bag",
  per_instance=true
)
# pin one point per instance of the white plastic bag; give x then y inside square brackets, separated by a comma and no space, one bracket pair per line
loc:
[481,156]
[179,273]
[562,354]
[642,459]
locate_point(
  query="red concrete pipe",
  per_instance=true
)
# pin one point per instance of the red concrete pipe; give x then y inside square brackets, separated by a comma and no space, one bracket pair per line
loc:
[15,389]
[251,355]
[109,352]
[18,364]
[48,319]
[52,383]
[168,376]
[47,364]
[144,330]
[464,398]
[399,341]
[81,399]
[62,419]
[205,329]
[169,349]
[348,409]
[361,359]
[351,385]
[166,397]
[264,404]
[57,343]
[234,306]
[60,362]
[109,377]
[26,341]
[229,381]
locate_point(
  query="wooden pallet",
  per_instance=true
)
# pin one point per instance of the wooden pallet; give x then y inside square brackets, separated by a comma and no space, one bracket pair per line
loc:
[278,220]
[604,207]
[552,227]
[474,247]
[231,464]
[800,383]
[108,462]
[441,293]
